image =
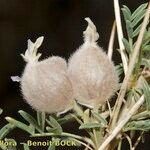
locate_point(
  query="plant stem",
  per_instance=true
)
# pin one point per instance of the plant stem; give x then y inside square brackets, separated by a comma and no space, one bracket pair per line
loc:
[95,138]
[120,36]
[109,108]
[122,123]
[64,134]
[119,145]
[130,69]
[111,41]
[129,140]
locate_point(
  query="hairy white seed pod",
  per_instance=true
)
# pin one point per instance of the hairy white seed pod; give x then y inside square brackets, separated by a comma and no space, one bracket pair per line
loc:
[91,72]
[45,84]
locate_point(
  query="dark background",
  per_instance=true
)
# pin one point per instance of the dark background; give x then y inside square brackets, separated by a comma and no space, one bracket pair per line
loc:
[61,22]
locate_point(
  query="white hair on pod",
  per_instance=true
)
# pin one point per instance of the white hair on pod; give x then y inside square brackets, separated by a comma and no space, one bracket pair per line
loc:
[45,84]
[91,72]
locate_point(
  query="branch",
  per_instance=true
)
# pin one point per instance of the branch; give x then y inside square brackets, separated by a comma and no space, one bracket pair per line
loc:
[122,123]
[120,36]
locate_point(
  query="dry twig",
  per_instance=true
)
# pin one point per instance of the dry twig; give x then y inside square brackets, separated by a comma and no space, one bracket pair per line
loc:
[111,41]
[120,36]
[122,123]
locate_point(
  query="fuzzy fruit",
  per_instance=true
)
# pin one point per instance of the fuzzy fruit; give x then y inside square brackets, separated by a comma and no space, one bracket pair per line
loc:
[45,84]
[91,72]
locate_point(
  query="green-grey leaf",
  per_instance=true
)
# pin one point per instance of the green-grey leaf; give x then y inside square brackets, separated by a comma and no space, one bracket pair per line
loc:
[99,118]
[141,116]
[146,48]
[119,70]
[127,10]
[146,39]
[41,116]
[126,14]
[146,90]
[65,119]
[90,125]
[138,10]
[126,44]
[137,30]
[129,28]
[30,119]
[54,124]
[143,125]
[6,129]
[52,130]
[133,94]
[20,125]
[138,18]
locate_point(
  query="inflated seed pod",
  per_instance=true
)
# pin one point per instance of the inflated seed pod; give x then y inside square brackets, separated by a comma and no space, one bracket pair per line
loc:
[45,84]
[91,72]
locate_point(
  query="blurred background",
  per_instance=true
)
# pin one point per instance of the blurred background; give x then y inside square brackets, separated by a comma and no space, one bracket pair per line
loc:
[61,22]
